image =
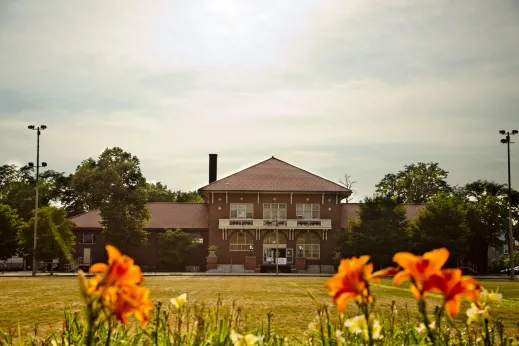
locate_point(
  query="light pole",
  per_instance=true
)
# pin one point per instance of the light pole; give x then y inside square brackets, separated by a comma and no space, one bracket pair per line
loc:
[43,164]
[507,141]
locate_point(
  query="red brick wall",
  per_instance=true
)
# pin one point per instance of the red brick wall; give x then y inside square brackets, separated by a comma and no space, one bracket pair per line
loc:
[219,209]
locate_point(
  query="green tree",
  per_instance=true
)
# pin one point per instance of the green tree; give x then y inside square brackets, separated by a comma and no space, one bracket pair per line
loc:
[174,245]
[157,192]
[17,188]
[55,235]
[487,205]
[443,223]
[114,185]
[417,183]
[10,225]
[381,230]
[188,197]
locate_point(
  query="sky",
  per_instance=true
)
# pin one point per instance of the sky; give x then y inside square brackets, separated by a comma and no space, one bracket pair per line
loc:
[361,87]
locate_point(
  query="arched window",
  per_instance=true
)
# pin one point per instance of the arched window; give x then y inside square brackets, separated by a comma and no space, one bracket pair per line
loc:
[240,241]
[310,245]
[270,238]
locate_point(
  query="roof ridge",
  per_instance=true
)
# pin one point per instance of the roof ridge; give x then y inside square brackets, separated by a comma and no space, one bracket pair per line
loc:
[242,170]
[315,175]
[83,213]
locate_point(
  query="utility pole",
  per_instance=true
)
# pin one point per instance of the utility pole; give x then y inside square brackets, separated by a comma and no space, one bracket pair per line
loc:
[43,164]
[507,141]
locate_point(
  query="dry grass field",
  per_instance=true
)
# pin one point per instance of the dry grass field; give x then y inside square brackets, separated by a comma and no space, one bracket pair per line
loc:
[41,301]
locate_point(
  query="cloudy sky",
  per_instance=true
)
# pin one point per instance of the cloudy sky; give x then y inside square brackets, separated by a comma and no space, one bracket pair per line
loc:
[361,87]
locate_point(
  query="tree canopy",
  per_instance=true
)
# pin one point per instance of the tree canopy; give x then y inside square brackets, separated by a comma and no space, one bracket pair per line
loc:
[381,230]
[10,225]
[114,185]
[55,234]
[416,183]
[174,245]
[442,223]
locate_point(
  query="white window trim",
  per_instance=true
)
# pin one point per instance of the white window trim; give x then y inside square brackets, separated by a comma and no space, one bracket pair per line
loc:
[278,211]
[302,211]
[238,246]
[251,205]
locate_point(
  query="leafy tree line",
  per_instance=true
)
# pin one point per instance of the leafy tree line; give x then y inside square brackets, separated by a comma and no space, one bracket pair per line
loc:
[113,184]
[467,219]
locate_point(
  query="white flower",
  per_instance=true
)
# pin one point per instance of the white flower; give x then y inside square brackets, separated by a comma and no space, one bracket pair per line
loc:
[490,297]
[247,340]
[421,329]
[376,330]
[476,314]
[179,301]
[356,324]
[339,337]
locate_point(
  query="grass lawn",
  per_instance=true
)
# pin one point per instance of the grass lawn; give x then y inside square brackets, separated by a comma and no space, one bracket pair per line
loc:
[41,301]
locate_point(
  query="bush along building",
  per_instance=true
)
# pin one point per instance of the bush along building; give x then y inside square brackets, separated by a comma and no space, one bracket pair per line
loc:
[272,216]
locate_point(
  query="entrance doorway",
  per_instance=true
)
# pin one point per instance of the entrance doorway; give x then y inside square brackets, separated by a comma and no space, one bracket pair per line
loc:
[286,255]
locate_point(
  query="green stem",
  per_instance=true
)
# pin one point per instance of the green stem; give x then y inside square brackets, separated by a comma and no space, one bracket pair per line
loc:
[423,311]
[91,319]
[439,318]
[109,336]
[487,334]
[365,310]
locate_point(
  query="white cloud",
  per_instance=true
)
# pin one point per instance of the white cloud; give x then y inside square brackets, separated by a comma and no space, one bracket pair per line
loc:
[358,87]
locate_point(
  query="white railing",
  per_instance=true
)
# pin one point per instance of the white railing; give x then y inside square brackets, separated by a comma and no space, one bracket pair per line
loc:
[273,224]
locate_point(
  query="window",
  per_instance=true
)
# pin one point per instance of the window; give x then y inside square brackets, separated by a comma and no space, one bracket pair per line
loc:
[307,211]
[274,211]
[240,241]
[196,238]
[88,238]
[242,210]
[310,244]
[270,238]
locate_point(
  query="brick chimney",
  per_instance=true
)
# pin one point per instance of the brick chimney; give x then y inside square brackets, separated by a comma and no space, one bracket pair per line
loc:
[212,167]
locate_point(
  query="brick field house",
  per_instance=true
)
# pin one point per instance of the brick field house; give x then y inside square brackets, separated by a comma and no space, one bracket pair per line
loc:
[248,215]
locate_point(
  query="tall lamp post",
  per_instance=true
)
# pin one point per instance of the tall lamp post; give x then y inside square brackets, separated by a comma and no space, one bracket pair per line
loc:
[43,164]
[507,141]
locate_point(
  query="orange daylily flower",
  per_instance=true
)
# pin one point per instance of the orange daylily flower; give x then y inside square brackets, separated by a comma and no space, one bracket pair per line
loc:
[119,287]
[128,300]
[351,281]
[120,269]
[453,286]
[419,268]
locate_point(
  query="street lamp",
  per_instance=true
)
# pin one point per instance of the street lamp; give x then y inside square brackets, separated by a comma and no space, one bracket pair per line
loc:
[507,141]
[43,164]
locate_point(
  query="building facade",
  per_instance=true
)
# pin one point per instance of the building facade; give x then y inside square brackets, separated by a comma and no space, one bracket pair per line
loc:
[271,207]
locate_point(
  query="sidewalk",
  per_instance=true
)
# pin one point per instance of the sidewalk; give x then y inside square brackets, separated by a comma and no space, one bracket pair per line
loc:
[28,274]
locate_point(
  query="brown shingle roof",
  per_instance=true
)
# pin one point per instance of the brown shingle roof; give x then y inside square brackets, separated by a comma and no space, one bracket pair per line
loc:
[275,175]
[163,215]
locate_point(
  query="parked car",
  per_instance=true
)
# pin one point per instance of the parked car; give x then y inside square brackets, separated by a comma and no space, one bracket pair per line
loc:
[13,263]
[507,271]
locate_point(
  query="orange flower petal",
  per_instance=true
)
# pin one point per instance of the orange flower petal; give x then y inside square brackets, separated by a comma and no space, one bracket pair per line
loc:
[401,277]
[453,306]
[98,268]
[405,259]
[437,258]
[416,293]
[113,253]
[389,271]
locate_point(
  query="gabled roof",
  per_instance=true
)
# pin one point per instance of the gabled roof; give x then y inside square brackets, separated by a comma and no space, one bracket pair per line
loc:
[274,175]
[164,215]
